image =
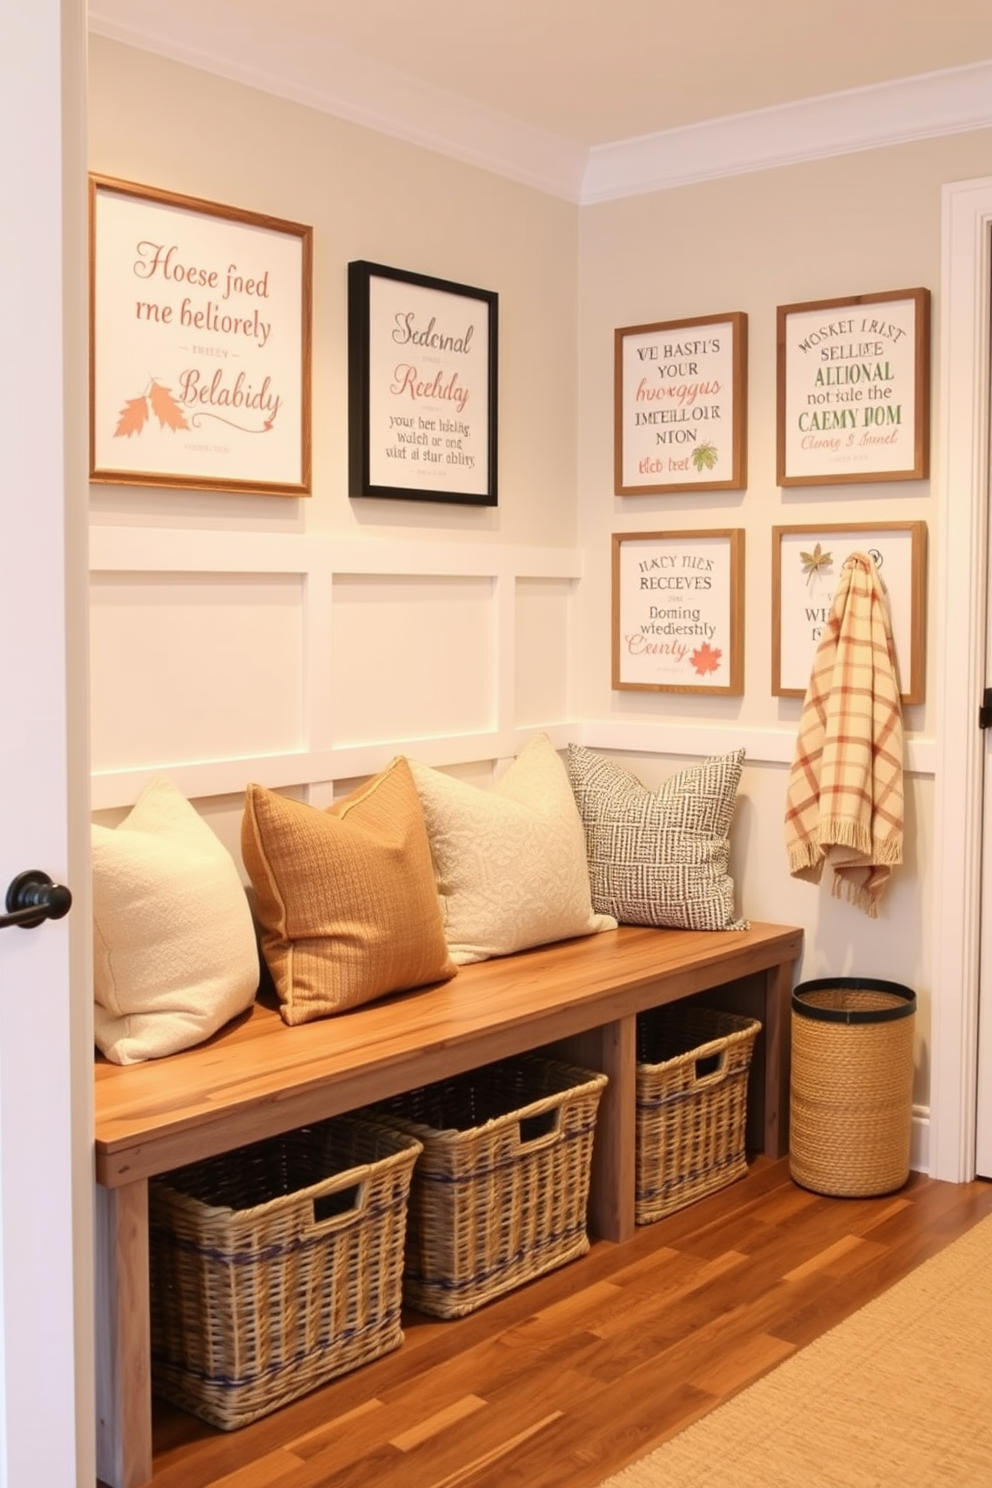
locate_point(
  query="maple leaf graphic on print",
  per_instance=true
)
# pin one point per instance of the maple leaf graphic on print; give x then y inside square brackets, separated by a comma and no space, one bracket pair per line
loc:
[165,408]
[706,658]
[133,417]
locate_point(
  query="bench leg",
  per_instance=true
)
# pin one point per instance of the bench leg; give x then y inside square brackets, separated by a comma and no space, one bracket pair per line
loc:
[123,1337]
[778,1054]
[612,1051]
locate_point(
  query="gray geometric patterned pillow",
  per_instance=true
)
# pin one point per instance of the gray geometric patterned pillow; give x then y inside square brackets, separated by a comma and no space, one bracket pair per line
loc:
[659,857]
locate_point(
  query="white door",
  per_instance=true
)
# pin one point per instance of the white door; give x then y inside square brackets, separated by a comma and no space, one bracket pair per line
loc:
[46,1412]
[962,924]
[983,1129]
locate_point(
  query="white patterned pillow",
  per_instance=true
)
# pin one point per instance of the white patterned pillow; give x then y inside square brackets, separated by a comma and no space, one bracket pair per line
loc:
[659,857]
[510,862]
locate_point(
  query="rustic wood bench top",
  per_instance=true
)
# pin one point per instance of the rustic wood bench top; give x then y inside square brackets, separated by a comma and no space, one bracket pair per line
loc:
[259,1077]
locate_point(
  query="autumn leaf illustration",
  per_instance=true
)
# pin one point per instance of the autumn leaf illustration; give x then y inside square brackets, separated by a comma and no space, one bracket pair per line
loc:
[133,418]
[165,408]
[816,562]
[705,457]
[706,658]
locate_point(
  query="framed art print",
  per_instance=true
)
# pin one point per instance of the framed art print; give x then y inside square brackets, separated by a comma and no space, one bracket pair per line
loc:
[199,343]
[422,393]
[806,564]
[854,389]
[680,406]
[678,611]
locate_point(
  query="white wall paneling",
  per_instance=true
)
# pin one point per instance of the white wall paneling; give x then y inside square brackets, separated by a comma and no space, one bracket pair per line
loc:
[222,657]
[399,641]
[762,745]
[542,664]
[189,666]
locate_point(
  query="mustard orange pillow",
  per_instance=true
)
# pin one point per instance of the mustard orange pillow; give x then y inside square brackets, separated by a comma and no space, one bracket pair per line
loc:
[346,897]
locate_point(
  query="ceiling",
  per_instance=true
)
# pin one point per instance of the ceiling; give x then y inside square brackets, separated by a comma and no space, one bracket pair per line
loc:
[569,76]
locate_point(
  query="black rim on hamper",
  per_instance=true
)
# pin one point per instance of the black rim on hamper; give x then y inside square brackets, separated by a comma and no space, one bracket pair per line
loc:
[852,1085]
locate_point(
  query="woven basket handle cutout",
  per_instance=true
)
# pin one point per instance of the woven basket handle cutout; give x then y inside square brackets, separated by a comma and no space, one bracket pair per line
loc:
[540,1129]
[338,1206]
[710,1064]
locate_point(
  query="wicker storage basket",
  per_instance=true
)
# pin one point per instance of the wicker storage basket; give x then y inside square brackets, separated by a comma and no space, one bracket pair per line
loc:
[851,1106]
[692,1073]
[277,1266]
[501,1189]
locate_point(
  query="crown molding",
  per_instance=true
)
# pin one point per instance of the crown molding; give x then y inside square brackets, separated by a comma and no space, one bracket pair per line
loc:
[339,81]
[949,102]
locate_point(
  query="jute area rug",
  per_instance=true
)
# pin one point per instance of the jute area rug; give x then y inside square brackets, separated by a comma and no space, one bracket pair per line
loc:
[898,1396]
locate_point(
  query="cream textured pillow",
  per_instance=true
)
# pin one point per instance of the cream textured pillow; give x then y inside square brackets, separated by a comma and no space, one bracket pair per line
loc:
[659,857]
[174,947]
[511,861]
[346,897]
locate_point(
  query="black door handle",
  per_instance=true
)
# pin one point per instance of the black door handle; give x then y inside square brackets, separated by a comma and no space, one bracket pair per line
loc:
[32,898]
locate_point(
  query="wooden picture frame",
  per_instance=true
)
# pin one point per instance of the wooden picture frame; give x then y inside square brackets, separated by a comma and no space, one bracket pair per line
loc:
[422,387]
[200,343]
[678,611]
[806,564]
[853,389]
[680,405]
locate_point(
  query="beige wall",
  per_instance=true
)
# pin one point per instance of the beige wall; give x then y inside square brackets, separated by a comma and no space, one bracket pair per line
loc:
[461,666]
[373,625]
[373,197]
[848,225]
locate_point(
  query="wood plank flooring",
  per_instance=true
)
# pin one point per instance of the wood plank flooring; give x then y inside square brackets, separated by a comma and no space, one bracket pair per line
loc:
[565,1381]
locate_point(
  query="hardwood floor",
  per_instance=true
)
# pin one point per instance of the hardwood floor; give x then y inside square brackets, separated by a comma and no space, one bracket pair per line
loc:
[563,1382]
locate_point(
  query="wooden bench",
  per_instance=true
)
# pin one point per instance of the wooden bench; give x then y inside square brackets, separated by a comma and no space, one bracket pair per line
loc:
[258,1078]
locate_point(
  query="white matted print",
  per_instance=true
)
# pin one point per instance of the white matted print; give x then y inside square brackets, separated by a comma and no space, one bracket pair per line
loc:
[678,609]
[806,565]
[199,343]
[854,389]
[680,405]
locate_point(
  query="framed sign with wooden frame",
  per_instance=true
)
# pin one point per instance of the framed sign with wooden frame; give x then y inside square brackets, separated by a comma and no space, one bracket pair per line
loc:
[854,389]
[806,565]
[199,343]
[422,387]
[680,406]
[678,611]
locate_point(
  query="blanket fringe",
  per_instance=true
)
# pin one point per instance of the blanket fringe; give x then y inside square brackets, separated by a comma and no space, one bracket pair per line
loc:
[841,831]
[883,851]
[806,860]
[855,894]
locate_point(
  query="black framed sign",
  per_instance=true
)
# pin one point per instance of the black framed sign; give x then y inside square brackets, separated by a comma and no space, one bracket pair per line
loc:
[422,372]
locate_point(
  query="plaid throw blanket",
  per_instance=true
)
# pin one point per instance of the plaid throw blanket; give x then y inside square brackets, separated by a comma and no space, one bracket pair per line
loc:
[844,802]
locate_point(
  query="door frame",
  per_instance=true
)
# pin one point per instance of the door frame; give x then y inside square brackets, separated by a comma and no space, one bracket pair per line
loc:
[47,1415]
[963,465]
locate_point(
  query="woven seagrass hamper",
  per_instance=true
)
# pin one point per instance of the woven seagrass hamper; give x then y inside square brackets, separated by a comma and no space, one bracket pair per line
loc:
[277,1266]
[501,1189]
[692,1075]
[851,1104]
